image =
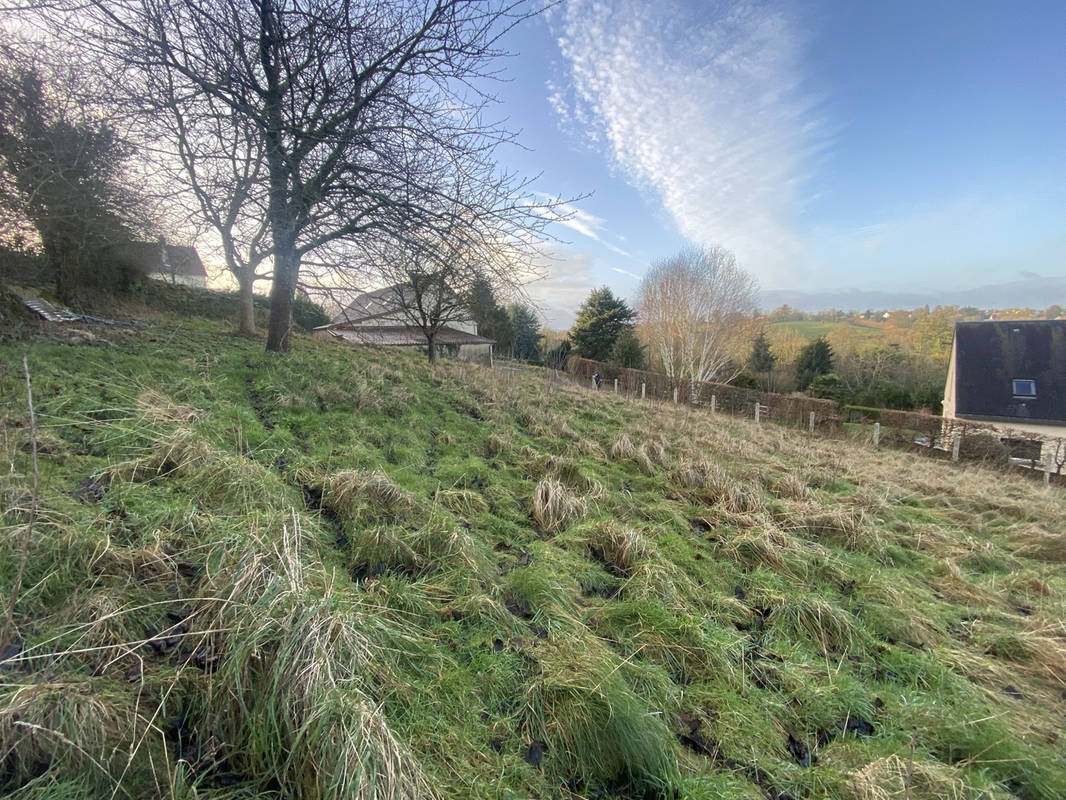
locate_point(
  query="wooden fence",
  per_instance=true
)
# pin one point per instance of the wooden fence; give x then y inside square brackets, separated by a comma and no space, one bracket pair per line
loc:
[912,430]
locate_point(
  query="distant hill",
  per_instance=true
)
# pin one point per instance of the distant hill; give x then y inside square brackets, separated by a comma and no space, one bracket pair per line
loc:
[1029,292]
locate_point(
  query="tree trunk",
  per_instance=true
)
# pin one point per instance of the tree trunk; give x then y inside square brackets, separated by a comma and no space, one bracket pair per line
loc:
[286,268]
[246,305]
[281,212]
[432,339]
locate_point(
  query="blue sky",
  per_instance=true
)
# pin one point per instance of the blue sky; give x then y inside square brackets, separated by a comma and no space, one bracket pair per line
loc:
[916,146]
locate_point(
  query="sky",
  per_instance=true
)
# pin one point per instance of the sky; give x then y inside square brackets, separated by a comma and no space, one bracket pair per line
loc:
[902,149]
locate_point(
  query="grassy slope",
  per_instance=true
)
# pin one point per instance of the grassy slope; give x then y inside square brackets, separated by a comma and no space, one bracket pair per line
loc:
[812,329]
[343,574]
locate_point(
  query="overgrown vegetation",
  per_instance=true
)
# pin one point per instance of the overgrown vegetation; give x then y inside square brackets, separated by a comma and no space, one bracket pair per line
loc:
[347,573]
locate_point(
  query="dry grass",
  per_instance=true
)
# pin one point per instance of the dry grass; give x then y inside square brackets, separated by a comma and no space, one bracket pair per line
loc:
[844,527]
[698,474]
[290,692]
[554,506]
[623,448]
[78,730]
[464,502]
[620,547]
[766,546]
[896,778]
[153,406]
[355,495]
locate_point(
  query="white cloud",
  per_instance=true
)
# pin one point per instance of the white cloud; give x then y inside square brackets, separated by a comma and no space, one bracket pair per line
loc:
[581,221]
[567,278]
[627,273]
[705,108]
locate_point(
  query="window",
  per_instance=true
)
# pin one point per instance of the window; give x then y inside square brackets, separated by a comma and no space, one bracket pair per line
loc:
[1024,388]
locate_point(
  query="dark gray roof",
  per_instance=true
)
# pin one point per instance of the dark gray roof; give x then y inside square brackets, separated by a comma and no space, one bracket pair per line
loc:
[402,335]
[371,305]
[990,356]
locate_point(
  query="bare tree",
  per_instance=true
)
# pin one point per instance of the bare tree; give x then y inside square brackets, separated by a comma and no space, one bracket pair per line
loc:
[362,111]
[219,167]
[435,271]
[695,314]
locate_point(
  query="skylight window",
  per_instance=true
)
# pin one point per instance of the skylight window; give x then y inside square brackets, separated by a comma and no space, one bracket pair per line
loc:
[1024,388]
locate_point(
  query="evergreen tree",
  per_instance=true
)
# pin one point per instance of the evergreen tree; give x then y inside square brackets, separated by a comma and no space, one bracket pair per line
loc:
[815,359]
[526,329]
[761,360]
[601,318]
[493,321]
[627,350]
[61,169]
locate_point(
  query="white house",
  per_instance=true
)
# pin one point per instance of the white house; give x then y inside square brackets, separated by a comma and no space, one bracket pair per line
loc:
[378,318]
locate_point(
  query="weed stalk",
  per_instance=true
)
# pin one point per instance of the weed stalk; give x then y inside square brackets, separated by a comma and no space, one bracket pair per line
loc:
[27,533]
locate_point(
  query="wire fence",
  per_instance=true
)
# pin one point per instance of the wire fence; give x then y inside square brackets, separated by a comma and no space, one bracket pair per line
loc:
[959,440]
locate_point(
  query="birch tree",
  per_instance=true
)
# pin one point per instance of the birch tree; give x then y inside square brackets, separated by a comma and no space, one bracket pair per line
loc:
[695,314]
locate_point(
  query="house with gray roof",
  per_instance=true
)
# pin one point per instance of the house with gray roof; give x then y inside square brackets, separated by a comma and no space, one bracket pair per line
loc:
[1010,374]
[379,318]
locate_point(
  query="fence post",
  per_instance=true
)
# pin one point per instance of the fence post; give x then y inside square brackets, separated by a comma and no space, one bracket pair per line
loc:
[675,395]
[642,384]
[955,447]
[1048,459]
[877,434]
[812,422]
[616,385]
[714,403]
[757,409]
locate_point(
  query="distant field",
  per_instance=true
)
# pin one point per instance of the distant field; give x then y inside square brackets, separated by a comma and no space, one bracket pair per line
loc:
[812,329]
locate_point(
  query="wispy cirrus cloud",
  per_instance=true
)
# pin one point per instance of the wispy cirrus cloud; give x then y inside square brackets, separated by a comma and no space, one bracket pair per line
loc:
[705,106]
[627,273]
[581,221]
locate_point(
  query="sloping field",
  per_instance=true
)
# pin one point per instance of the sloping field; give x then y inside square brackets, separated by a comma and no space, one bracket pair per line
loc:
[344,574]
[812,329]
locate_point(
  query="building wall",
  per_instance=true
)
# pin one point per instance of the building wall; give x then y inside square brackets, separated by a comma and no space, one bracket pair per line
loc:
[948,406]
[477,353]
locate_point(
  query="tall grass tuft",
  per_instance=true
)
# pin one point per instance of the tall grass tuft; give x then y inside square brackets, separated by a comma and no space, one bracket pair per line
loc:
[289,694]
[619,547]
[356,495]
[598,732]
[623,448]
[554,507]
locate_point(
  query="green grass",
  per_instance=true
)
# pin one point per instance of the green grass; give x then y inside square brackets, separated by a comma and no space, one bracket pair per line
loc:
[813,329]
[344,573]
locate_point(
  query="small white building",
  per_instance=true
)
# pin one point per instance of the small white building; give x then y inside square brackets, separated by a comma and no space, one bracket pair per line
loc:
[378,318]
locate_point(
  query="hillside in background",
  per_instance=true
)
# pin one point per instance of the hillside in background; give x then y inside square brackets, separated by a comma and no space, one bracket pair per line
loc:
[344,573]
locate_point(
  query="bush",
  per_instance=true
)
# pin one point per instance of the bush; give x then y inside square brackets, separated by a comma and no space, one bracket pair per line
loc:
[985,447]
[307,313]
[827,386]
